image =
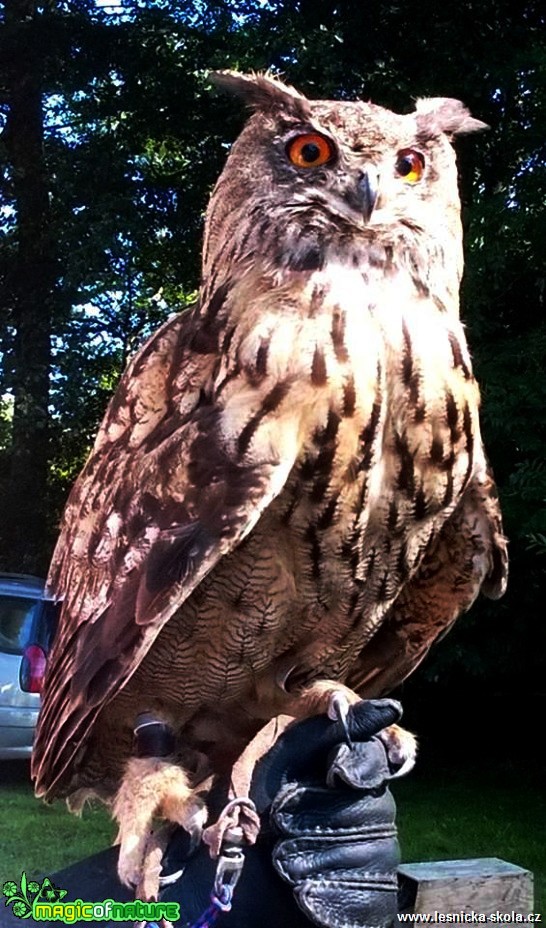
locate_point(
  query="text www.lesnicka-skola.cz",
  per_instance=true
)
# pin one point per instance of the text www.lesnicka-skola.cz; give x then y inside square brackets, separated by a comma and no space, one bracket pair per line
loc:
[469,918]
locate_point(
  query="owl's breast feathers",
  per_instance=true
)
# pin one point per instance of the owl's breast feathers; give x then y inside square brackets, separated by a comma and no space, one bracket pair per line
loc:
[380,382]
[332,421]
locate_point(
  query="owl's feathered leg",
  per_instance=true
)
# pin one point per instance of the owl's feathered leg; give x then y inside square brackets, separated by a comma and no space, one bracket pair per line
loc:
[152,787]
[330,697]
[335,699]
[401,745]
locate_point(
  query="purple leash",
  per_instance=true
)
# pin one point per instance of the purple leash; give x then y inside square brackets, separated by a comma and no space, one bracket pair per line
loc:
[218,904]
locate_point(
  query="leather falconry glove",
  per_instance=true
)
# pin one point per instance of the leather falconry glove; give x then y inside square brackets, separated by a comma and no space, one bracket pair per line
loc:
[334,817]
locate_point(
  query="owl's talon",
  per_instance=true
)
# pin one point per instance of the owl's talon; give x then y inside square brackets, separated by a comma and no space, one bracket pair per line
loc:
[168,878]
[194,826]
[401,748]
[338,711]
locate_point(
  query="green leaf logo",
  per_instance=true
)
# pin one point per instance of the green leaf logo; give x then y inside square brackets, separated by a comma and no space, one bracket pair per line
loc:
[23,897]
[50,892]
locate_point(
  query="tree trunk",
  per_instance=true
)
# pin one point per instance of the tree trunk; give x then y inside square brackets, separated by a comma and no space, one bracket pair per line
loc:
[30,287]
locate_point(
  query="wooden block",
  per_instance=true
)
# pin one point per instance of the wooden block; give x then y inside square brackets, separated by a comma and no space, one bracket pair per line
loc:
[485,886]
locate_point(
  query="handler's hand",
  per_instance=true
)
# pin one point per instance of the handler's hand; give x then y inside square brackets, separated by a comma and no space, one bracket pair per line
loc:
[334,817]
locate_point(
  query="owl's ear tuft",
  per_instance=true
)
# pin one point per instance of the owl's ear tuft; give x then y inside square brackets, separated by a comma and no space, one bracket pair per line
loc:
[442,114]
[263,92]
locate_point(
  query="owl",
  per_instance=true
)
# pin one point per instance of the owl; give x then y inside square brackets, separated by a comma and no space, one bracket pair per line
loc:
[288,499]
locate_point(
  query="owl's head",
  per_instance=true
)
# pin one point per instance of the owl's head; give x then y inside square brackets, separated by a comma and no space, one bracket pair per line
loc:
[309,180]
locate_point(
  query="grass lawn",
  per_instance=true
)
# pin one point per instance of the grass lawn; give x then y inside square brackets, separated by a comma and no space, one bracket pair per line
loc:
[38,838]
[443,813]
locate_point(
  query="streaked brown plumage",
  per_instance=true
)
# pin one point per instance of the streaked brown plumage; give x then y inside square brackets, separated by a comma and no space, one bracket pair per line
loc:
[290,483]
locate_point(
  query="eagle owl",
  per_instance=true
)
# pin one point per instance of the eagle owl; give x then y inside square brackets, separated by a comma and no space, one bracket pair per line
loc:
[289,492]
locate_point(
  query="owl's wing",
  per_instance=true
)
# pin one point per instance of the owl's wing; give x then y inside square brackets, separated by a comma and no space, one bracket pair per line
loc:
[469,555]
[177,477]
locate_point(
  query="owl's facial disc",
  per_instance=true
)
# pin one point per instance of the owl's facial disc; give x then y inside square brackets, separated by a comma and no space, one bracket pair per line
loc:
[353,195]
[350,192]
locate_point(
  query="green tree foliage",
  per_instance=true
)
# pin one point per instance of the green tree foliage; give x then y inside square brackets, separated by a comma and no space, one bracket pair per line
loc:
[28,286]
[133,140]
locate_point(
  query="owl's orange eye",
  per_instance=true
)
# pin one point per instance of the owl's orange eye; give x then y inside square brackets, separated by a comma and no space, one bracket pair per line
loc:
[310,150]
[410,165]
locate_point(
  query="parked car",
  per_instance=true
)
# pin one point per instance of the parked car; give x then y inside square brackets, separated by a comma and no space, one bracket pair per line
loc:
[26,628]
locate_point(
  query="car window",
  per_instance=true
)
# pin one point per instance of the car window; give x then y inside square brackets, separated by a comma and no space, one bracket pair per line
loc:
[15,622]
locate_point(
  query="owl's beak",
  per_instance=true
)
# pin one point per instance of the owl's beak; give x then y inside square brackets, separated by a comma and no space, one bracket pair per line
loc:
[367,190]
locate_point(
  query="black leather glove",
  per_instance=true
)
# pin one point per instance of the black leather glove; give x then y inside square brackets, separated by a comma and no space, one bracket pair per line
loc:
[335,816]
[327,826]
